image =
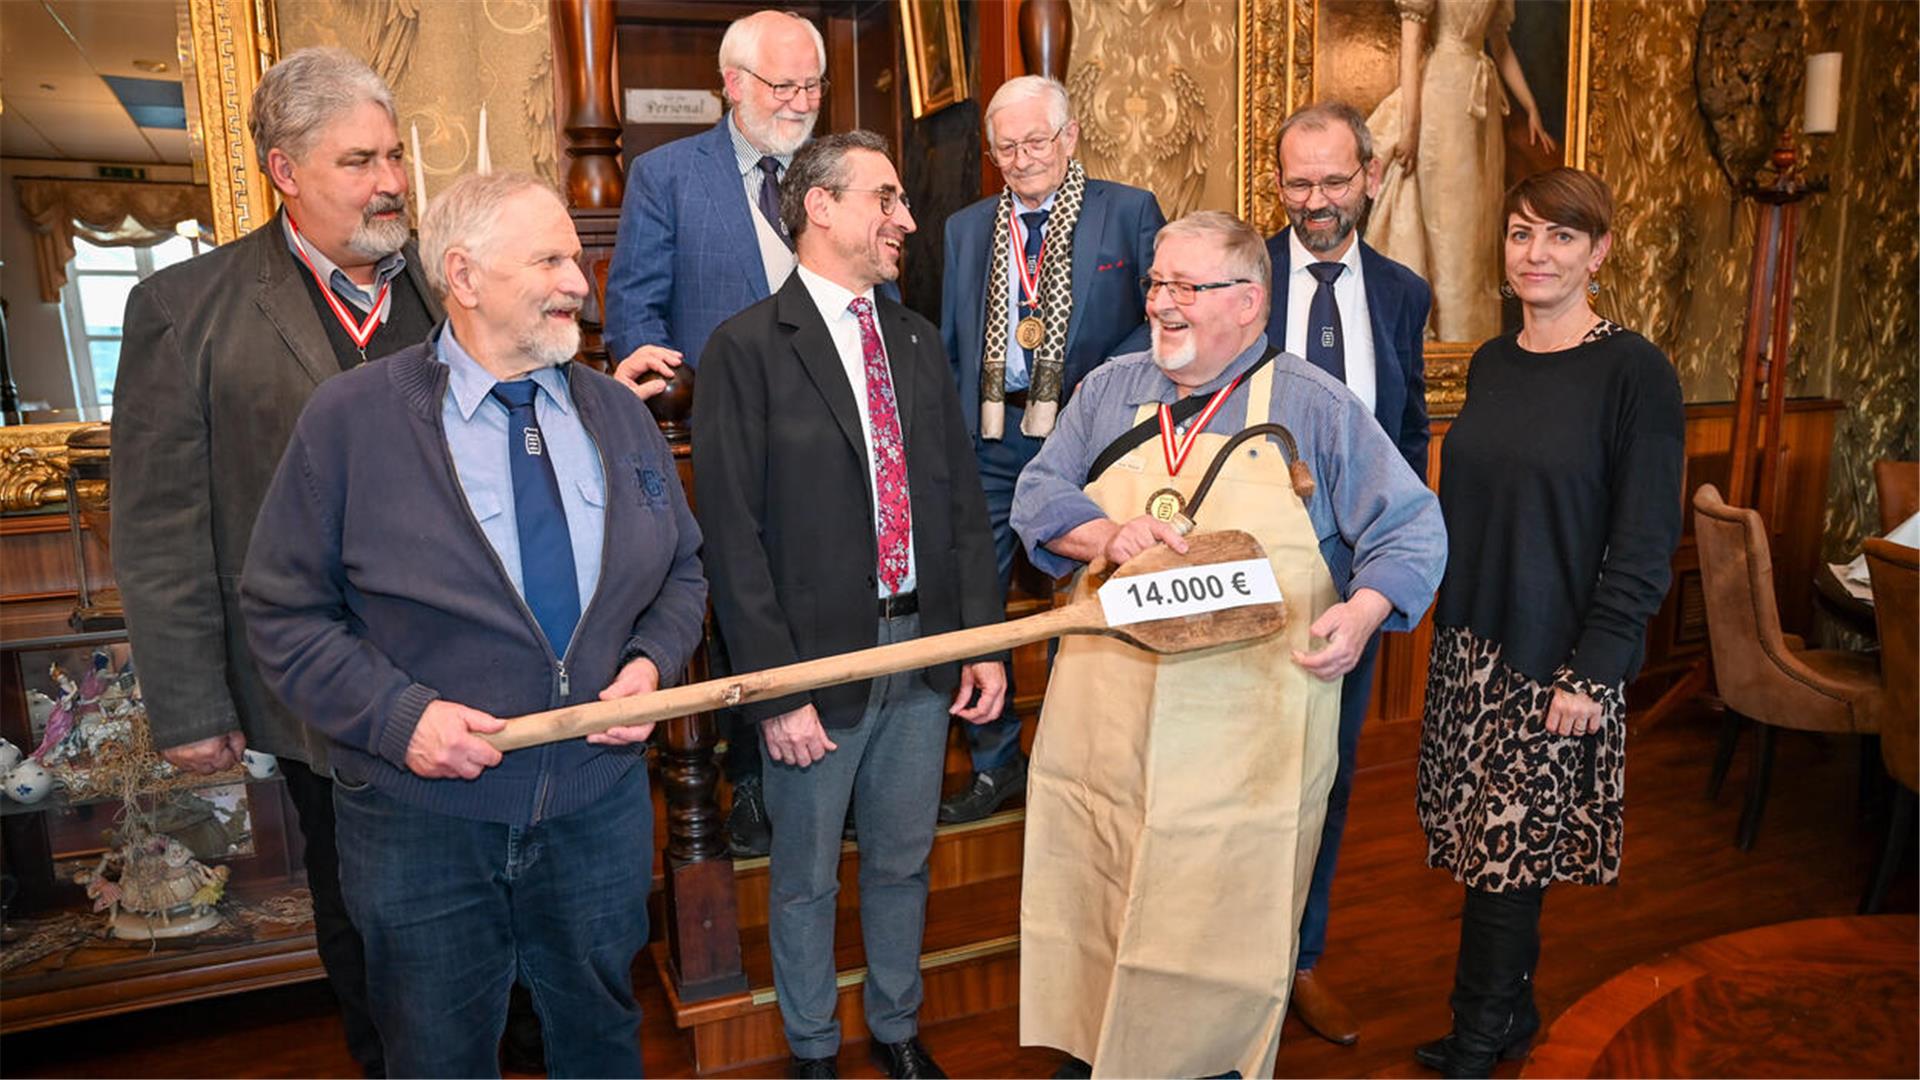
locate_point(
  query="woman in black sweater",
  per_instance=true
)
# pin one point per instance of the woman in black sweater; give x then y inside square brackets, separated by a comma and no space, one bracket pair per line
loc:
[1560,482]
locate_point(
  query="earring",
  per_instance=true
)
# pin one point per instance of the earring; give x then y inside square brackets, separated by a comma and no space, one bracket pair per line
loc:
[1593,287]
[1506,289]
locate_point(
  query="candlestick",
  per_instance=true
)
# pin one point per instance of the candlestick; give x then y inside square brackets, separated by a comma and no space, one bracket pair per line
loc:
[1823,93]
[419,178]
[483,161]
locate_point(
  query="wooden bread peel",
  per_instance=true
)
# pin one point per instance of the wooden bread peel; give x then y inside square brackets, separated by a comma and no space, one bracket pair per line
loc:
[1174,635]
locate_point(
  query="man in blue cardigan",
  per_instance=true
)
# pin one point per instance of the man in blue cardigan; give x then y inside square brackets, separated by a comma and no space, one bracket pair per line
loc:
[1360,317]
[432,558]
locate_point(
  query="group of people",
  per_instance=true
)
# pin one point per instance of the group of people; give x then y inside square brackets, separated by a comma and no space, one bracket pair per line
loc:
[367,509]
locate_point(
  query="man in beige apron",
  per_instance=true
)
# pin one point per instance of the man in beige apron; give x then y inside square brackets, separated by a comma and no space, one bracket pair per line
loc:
[1176,801]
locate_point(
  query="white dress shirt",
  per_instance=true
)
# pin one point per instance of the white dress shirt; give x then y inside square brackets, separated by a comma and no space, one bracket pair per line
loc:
[1356,323]
[775,257]
[844,326]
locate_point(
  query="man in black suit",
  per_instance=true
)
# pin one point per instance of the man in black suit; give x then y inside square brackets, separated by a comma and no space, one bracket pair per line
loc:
[835,483]
[1361,316]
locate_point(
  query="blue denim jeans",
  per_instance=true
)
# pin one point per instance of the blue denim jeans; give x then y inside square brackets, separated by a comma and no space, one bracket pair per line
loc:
[451,910]
[1355,689]
[997,742]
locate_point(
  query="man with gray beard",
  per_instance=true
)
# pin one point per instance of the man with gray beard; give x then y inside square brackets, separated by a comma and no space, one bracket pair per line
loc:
[220,354]
[700,241]
[1360,317]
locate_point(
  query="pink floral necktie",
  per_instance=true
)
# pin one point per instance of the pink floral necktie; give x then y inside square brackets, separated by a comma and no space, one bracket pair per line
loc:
[889,452]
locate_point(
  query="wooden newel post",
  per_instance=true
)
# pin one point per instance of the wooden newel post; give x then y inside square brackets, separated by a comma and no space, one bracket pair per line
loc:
[1046,37]
[702,931]
[592,125]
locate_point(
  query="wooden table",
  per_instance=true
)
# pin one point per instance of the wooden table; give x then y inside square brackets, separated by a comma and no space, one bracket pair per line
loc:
[1816,997]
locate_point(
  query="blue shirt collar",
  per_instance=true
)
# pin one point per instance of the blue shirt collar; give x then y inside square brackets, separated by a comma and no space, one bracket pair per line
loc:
[470,384]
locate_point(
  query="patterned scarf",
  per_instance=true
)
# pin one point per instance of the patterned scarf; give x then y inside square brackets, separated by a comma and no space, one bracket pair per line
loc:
[1044,381]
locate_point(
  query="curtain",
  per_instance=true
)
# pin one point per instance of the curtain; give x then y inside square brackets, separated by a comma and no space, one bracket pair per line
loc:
[105,212]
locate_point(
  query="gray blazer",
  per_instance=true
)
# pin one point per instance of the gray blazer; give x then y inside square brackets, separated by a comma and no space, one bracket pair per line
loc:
[218,358]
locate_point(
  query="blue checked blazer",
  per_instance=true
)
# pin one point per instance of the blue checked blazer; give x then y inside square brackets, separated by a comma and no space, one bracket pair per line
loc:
[686,259]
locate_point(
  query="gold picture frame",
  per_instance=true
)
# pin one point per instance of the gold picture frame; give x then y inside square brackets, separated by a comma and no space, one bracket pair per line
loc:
[225,46]
[936,54]
[1283,52]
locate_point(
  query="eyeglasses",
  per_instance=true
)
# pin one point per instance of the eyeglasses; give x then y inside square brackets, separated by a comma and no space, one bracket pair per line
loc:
[1185,292]
[784,91]
[1035,145]
[1333,187]
[888,197]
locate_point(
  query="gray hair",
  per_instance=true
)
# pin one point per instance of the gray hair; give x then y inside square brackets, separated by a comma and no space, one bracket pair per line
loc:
[821,163]
[1243,249]
[304,92]
[467,215]
[1028,88]
[1322,115]
[740,45]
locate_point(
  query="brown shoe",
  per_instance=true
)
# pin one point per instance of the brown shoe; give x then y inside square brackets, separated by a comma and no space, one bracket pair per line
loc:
[1323,1013]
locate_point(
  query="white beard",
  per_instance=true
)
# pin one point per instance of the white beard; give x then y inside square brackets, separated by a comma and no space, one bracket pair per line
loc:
[1176,360]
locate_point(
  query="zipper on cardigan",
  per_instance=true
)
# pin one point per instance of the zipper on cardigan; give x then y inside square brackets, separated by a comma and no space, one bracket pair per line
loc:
[566,682]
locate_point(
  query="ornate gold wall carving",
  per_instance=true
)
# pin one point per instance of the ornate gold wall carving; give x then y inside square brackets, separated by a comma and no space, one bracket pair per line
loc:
[1154,85]
[1684,240]
[443,58]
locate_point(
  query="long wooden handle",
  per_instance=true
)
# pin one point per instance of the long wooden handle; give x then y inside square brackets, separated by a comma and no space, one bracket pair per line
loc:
[574,721]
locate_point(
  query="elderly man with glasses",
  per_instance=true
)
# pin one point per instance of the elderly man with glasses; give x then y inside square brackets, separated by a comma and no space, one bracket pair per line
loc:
[701,240]
[1040,287]
[1360,317]
[1175,802]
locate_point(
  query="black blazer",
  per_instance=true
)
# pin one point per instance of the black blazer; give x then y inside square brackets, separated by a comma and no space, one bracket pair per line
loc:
[783,493]
[1397,302]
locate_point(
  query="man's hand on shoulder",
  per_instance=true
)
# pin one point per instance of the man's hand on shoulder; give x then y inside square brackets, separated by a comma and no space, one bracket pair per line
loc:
[446,746]
[638,369]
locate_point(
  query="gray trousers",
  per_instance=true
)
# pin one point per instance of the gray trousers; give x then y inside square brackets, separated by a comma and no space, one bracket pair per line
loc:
[889,765]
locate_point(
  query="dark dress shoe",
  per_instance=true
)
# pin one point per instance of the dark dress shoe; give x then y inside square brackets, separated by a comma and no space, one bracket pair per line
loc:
[748,832]
[825,1068]
[906,1060]
[990,789]
[1073,1069]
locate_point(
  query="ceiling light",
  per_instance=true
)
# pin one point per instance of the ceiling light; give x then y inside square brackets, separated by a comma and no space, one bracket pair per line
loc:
[154,67]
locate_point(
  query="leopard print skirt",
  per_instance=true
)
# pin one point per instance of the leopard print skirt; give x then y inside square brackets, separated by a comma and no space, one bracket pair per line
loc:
[1504,804]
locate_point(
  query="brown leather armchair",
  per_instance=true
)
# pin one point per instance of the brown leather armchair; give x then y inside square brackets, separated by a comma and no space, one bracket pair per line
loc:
[1898,484]
[1896,609]
[1763,676]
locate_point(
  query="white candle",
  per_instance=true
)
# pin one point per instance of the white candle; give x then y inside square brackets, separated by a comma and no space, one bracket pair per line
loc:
[483,160]
[419,177]
[1823,93]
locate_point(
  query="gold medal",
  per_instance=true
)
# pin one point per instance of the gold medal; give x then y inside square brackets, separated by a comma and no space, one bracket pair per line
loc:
[1030,332]
[1165,504]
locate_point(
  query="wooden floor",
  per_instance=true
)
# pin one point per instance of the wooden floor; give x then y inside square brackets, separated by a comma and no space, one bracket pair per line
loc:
[1395,925]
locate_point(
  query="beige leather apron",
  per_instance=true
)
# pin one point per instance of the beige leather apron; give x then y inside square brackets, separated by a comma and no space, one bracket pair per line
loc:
[1174,805]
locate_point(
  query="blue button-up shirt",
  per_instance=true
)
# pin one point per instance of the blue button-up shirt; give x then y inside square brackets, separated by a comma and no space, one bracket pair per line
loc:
[476,427]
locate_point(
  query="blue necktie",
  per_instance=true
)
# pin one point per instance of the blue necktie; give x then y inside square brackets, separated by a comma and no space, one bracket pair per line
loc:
[1034,221]
[546,547]
[770,198]
[1326,345]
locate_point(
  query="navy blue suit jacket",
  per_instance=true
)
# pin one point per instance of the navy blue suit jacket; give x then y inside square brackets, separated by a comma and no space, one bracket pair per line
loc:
[1112,250]
[1397,302]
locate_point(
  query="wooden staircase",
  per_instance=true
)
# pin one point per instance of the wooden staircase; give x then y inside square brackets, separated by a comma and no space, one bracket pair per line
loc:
[970,953]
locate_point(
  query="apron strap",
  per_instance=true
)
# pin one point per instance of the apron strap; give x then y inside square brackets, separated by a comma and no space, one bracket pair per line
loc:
[1183,410]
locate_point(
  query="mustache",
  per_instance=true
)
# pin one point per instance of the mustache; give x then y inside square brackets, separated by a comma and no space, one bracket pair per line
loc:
[384,204]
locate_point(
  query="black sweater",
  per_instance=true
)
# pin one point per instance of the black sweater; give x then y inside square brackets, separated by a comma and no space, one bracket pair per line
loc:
[1560,483]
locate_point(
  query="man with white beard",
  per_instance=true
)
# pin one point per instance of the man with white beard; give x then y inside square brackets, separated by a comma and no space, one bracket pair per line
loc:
[700,241]
[220,354]
[429,560]
[1143,760]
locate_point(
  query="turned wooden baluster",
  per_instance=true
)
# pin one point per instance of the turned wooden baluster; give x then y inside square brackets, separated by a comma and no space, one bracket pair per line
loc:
[702,931]
[1046,37]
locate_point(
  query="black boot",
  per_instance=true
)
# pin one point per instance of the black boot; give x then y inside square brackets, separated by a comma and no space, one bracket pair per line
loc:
[1494,1017]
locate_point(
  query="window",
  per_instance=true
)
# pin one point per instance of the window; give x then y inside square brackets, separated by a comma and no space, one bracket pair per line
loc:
[95,300]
